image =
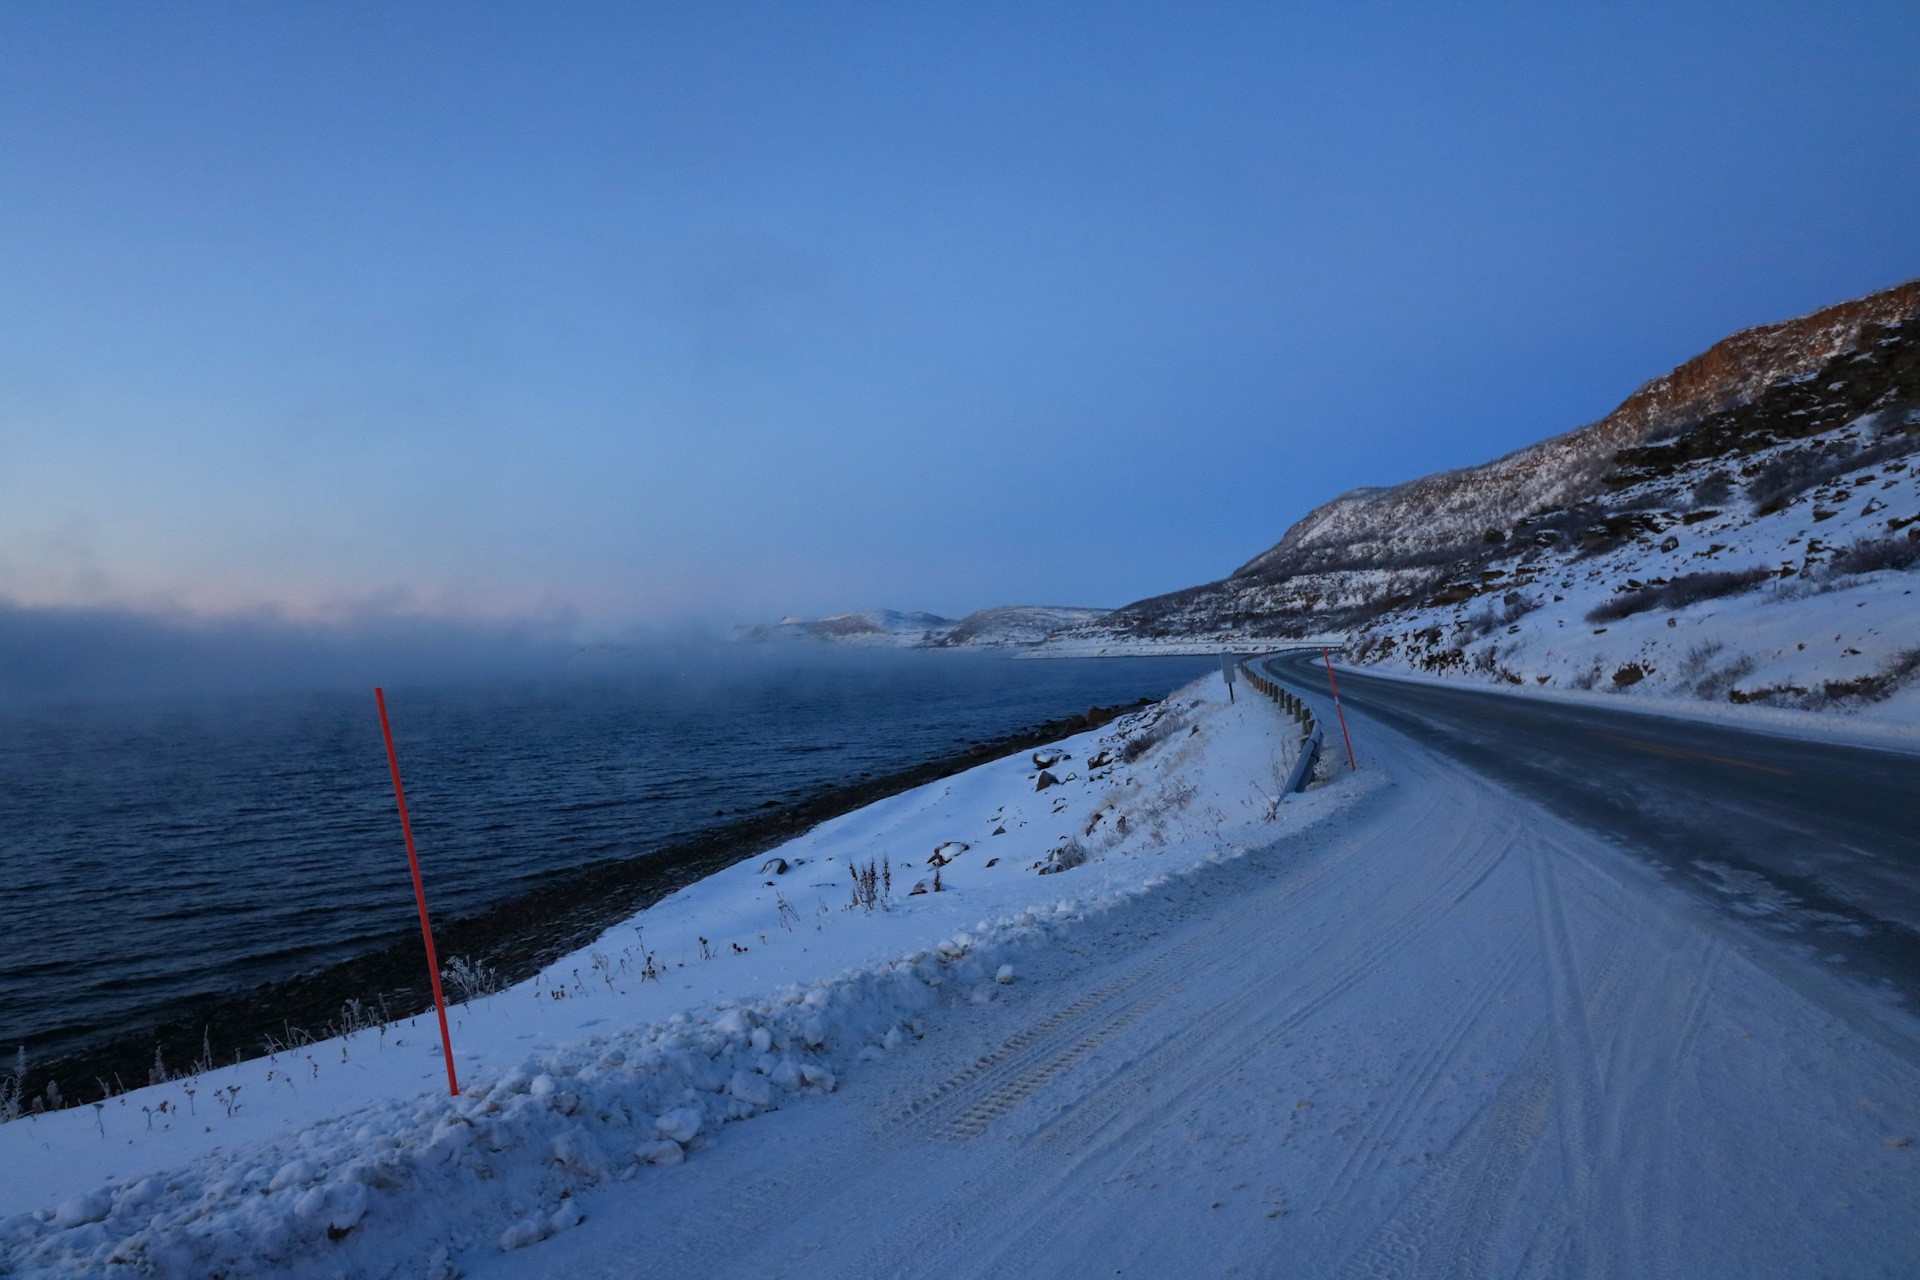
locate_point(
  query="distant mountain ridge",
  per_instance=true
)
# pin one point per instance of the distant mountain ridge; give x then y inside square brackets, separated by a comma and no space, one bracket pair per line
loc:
[1005,626]
[1372,549]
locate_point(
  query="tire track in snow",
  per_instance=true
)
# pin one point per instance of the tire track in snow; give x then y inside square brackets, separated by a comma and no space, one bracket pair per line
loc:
[1644,1084]
[1021,1073]
[1258,1014]
[1189,1061]
[984,1195]
[1186,1066]
[1446,1226]
[1017,1057]
[1416,1089]
[1452,1223]
[1577,1094]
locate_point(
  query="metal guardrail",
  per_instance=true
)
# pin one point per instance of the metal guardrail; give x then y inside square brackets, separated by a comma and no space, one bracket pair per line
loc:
[1310,738]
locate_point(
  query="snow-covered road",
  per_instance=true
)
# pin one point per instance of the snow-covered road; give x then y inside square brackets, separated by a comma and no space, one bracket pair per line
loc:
[1813,846]
[1441,1033]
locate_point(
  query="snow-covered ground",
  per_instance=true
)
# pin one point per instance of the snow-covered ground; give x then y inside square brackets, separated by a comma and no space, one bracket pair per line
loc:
[756,989]
[1402,1024]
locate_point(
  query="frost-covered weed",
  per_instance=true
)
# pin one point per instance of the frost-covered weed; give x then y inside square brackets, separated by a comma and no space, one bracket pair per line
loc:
[872,884]
[12,1086]
[1065,858]
[470,979]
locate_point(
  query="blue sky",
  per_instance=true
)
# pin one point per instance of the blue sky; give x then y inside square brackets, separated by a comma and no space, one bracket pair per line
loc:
[634,314]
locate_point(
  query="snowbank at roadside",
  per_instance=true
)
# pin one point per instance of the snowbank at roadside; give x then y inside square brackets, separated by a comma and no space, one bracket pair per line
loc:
[748,991]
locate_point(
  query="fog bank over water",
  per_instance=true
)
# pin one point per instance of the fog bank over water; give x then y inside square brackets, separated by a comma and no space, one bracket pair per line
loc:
[60,653]
[55,654]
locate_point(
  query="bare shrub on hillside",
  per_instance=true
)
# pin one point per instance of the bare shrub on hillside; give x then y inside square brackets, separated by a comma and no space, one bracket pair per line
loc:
[1692,588]
[1490,618]
[1713,491]
[1152,736]
[1626,604]
[1793,473]
[1699,660]
[1868,555]
[1708,682]
[1688,589]
[1904,669]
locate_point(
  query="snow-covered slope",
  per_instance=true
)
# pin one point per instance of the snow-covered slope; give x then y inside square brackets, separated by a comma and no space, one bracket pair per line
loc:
[1019,624]
[1779,449]
[757,989]
[1810,606]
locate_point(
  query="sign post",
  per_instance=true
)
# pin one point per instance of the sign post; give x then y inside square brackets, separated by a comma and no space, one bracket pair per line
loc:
[419,894]
[1228,662]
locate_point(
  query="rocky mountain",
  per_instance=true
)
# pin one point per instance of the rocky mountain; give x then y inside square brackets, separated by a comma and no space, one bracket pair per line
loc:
[882,627]
[1431,540]
[1008,625]
[1015,624]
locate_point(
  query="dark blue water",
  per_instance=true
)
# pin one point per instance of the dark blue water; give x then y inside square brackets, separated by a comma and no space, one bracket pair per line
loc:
[157,850]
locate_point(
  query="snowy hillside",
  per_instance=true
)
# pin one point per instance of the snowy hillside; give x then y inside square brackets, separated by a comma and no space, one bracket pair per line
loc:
[1742,525]
[758,989]
[1014,625]
[1810,606]
[985,628]
[883,627]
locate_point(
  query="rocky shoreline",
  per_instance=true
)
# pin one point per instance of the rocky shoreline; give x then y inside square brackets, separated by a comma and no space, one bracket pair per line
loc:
[515,938]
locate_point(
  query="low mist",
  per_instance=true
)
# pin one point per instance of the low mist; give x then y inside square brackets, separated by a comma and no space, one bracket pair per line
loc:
[91,653]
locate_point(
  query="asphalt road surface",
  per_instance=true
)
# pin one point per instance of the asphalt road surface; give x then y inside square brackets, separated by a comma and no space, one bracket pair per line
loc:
[1813,843]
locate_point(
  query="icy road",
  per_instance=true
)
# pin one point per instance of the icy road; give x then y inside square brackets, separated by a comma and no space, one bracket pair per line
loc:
[1817,845]
[1452,1030]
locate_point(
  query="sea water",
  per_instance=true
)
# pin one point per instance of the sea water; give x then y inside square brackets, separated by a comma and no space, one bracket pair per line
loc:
[159,850]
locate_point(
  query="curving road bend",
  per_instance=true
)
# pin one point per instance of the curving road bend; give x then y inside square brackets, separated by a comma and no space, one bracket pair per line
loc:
[1813,844]
[1439,1030]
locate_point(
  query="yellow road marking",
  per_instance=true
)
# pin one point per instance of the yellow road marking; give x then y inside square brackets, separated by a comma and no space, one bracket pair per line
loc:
[1681,753]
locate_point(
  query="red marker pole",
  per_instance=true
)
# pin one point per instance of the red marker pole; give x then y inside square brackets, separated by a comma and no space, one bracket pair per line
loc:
[419,895]
[1325,656]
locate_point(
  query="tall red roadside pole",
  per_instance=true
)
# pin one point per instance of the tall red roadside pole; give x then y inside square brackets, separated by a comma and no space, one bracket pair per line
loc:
[419,895]
[1324,655]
